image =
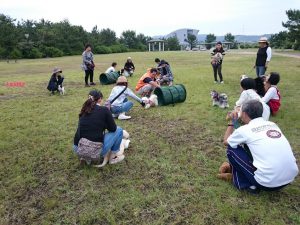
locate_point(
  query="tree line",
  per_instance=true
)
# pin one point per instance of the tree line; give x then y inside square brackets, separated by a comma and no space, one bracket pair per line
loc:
[37,39]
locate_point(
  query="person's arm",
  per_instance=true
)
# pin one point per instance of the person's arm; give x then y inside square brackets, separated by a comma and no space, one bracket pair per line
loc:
[269,56]
[228,132]
[110,122]
[133,67]
[132,95]
[153,83]
[241,99]
[269,94]
[233,118]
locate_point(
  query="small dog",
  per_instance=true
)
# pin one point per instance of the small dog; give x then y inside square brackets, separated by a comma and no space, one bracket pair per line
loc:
[220,100]
[124,145]
[61,90]
[150,102]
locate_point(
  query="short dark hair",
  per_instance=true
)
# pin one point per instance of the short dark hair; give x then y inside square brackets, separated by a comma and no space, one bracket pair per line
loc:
[153,70]
[274,78]
[248,83]
[253,108]
[114,64]
[219,43]
[157,60]
[87,45]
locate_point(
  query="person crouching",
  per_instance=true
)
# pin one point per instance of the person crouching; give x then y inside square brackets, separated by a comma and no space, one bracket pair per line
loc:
[56,82]
[147,83]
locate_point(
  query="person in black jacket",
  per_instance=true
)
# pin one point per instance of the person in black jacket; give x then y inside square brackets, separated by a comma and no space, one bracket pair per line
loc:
[94,120]
[129,67]
[56,80]
[264,55]
[217,59]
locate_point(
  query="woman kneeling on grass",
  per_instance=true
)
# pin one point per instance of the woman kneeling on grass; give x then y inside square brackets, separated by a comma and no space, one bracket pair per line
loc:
[91,141]
[119,95]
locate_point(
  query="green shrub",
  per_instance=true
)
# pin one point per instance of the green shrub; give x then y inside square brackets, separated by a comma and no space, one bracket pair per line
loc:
[118,48]
[100,49]
[15,54]
[34,53]
[52,52]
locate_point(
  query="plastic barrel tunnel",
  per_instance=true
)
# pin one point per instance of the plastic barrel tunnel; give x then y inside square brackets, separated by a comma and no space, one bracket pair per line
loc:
[108,78]
[170,94]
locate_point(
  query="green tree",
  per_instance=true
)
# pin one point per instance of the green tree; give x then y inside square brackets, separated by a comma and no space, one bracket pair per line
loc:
[209,39]
[107,37]
[173,43]
[293,26]
[192,40]
[281,40]
[229,37]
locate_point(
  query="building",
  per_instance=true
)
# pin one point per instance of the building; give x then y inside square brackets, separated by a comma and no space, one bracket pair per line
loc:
[182,35]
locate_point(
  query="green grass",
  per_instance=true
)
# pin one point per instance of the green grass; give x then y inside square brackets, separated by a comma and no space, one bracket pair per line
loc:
[169,173]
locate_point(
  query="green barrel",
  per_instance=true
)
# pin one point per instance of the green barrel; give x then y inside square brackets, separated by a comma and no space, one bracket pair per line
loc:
[108,78]
[170,94]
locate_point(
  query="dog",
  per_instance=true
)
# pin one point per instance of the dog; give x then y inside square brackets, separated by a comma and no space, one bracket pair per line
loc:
[124,145]
[151,101]
[220,100]
[61,90]
[216,59]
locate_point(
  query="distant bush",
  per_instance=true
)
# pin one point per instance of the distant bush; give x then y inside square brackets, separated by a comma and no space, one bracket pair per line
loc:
[15,54]
[52,52]
[34,53]
[118,48]
[100,49]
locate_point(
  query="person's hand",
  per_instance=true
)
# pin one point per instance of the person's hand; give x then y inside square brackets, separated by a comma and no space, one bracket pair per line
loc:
[254,66]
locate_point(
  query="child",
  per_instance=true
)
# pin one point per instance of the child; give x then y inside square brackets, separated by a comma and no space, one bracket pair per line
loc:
[272,96]
[112,68]
[55,82]
[248,93]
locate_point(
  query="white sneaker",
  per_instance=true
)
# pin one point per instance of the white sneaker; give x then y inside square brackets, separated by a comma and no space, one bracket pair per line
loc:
[215,82]
[127,144]
[222,82]
[116,159]
[122,116]
[115,115]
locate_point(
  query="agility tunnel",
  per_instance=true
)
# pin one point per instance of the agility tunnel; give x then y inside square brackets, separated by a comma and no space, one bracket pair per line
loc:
[170,94]
[108,78]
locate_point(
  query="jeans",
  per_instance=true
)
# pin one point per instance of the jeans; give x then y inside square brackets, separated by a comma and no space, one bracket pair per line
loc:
[124,107]
[89,73]
[112,141]
[260,70]
[218,69]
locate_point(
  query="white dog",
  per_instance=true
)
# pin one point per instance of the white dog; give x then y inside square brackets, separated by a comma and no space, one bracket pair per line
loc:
[124,145]
[150,102]
[61,90]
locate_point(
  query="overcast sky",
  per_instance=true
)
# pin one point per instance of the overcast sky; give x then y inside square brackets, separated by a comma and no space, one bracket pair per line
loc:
[159,17]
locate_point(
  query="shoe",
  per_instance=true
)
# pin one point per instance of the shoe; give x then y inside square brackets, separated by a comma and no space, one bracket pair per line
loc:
[127,144]
[116,159]
[92,83]
[253,190]
[86,85]
[225,168]
[222,82]
[215,81]
[225,176]
[115,115]
[122,116]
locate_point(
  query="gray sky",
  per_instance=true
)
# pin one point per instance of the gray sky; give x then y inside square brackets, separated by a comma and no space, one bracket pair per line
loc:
[159,17]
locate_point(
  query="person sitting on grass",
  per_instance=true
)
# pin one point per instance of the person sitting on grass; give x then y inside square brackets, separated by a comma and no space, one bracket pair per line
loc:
[272,96]
[129,67]
[56,80]
[248,92]
[119,94]
[166,76]
[112,68]
[260,157]
[147,83]
[94,120]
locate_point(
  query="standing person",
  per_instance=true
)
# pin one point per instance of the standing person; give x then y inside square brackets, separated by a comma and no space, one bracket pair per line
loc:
[121,105]
[263,56]
[260,157]
[129,67]
[217,59]
[88,65]
[112,68]
[147,83]
[94,120]
[166,76]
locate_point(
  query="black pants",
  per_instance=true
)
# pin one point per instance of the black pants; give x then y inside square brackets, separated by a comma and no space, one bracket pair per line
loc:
[89,73]
[218,69]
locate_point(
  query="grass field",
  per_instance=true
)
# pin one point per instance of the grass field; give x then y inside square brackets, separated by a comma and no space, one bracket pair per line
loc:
[169,173]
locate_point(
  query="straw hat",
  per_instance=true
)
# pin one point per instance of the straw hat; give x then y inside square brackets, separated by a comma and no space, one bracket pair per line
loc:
[263,40]
[122,79]
[56,70]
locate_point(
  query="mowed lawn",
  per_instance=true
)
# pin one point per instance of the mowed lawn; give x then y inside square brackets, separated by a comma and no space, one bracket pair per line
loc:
[169,173]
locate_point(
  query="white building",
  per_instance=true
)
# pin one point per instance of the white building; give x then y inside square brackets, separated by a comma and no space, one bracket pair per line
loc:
[182,35]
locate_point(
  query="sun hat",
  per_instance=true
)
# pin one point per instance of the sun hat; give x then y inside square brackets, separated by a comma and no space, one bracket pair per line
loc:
[56,70]
[263,40]
[129,57]
[122,79]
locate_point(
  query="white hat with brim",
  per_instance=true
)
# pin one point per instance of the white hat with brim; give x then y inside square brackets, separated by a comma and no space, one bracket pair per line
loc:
[56,70]
[263,40]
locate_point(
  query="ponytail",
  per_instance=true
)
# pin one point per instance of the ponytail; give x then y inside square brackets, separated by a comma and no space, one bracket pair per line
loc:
[88,106]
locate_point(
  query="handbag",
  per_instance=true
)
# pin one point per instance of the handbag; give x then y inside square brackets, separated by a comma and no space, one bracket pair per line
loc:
[88,150]
[108,103]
